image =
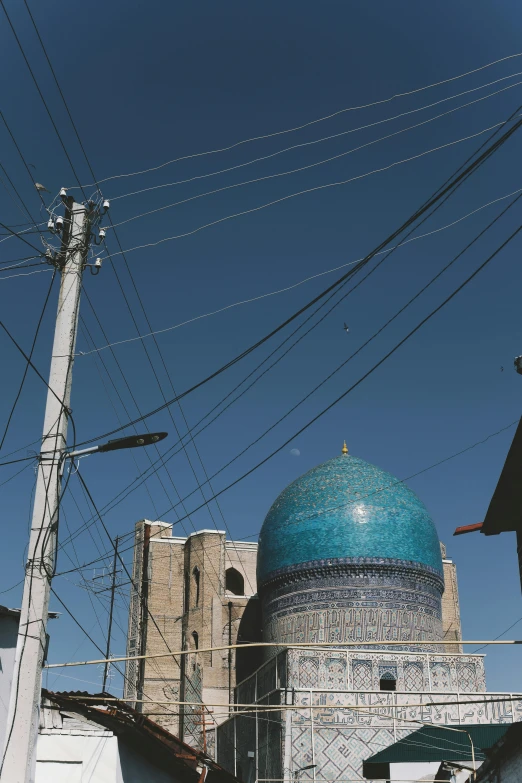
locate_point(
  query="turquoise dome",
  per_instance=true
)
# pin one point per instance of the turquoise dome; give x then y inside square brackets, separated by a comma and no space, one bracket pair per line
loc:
[350,511]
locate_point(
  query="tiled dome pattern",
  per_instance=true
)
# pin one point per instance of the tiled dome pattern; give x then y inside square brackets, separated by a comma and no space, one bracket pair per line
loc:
[344,509]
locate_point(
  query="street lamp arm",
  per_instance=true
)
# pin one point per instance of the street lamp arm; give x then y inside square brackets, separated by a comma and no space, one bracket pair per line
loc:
[130,442]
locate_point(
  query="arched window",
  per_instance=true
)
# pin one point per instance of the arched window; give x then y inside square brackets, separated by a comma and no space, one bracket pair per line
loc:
[195,637]
[196,574]
[387,682]
[234,582]
[186,596]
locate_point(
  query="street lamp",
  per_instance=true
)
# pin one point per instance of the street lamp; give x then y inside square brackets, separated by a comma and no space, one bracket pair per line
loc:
[130,442]
[303,769]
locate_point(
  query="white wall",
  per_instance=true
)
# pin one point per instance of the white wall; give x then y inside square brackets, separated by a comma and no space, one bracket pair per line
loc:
[77,758]
[399,773]
[8,635]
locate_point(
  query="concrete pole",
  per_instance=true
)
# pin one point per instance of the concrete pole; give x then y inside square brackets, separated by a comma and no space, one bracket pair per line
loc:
[111,610]
[19,759]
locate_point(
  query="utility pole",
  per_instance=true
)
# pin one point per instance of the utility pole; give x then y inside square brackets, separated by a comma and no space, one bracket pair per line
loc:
[19,760]
[111,610]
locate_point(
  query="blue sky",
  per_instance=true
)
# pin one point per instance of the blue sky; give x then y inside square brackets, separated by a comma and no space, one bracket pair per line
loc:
[147,83]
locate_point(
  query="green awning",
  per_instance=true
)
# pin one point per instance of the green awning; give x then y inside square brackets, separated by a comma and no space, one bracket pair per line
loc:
[435,743]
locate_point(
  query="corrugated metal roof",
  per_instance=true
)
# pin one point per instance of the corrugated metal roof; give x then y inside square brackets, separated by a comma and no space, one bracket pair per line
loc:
[154,742]
[435,743]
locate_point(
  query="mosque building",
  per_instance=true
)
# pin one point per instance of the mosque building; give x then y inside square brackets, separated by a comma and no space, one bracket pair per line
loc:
[347,556]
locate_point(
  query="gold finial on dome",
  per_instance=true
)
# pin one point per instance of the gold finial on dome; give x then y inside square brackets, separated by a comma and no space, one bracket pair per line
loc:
[345,449]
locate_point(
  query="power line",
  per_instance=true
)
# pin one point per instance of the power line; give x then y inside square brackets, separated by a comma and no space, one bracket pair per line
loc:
[388,252]
[370,371]
[399,481]
[357,645]
[23,209]
[321,163]
[173,420]
[91,169]
[353,288]
[149,613]
[24,266]
[329,138]
[282,199]
[42,97]
[498,637]
[293,285]
[427,205]
[217,585]
[13,139]
[27,364]
[18,260]
[14,233]
[373,336]
[25,274]
[311,122]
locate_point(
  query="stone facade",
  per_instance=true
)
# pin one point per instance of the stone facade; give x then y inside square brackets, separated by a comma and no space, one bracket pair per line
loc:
[335,724]
[349,559]
[165,570]
[451,629]
[196,590]
[353,600]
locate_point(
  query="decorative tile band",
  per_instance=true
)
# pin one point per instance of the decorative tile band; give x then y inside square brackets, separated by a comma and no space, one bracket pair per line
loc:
[359,566]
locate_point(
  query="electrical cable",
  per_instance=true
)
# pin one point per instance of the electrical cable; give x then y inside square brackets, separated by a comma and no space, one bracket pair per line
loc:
[307,124]
[17,266]
[399,481]
[25,274]
[172,449]
[293,285]
[74,127]
[13,139]
[498,637]
[26,631]
[149,613]
[26,369]
[52,71]
[23,209]
[52,514]
[375,334]
[19,260]
[112,382]
[42,98]
[19,235]
[99,600]
[216,586]
[486,154]
[282,199]
[36,370]
[171,415]
[35,81]
[316,165]
[369,372]
[329,138]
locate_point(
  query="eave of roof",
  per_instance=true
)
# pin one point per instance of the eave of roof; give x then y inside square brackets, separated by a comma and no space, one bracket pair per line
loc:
[6,612]
[153,740]
[505,509]
[506,746]
[435,743]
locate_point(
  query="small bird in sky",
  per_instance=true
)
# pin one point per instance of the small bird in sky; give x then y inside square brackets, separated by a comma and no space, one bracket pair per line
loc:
[501,369]
[39,187]
[346,328]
